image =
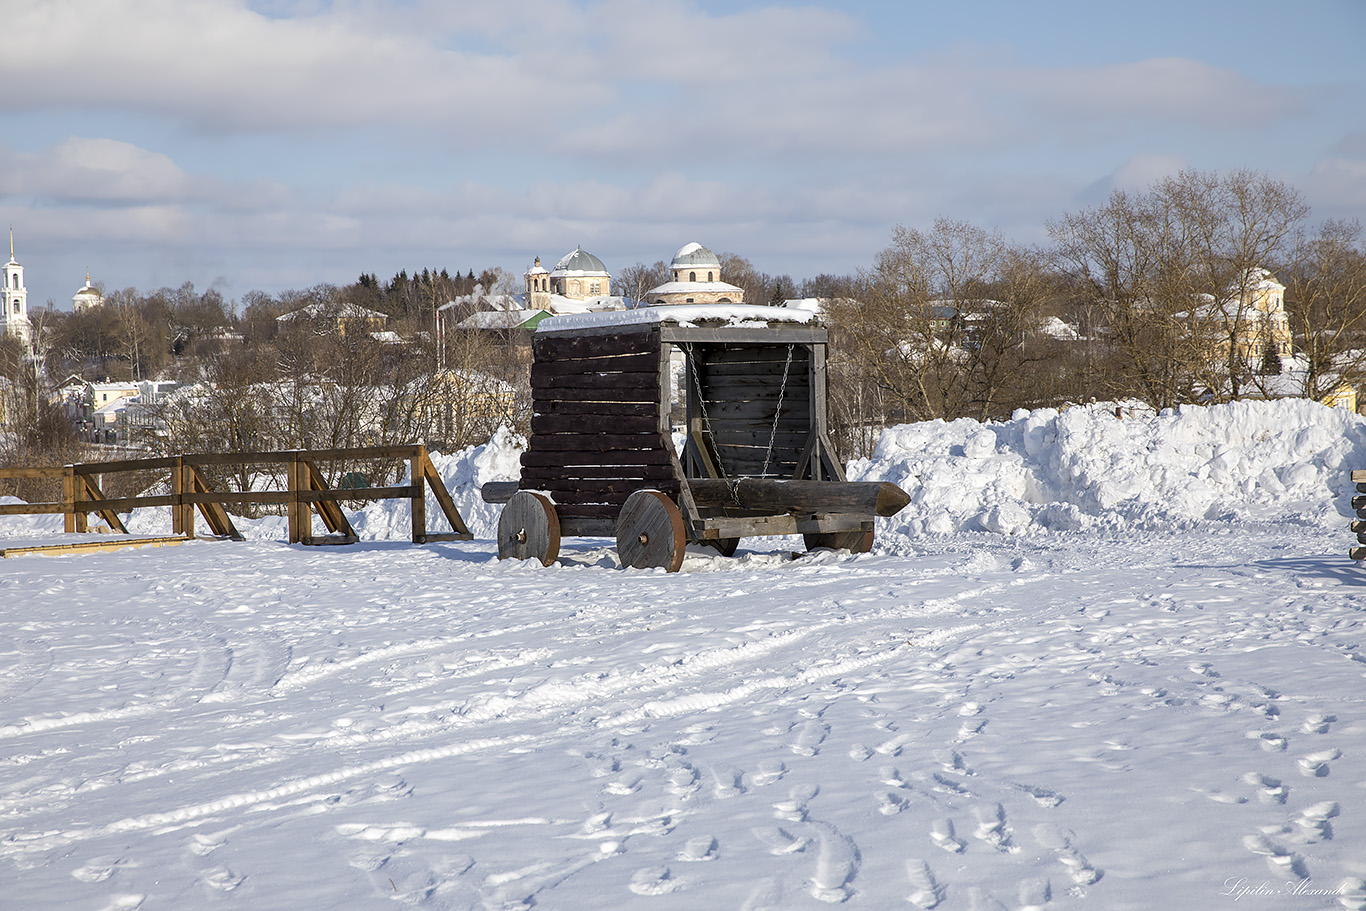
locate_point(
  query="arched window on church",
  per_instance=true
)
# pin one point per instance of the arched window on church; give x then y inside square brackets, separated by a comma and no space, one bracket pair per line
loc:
[692,276]
[708,276]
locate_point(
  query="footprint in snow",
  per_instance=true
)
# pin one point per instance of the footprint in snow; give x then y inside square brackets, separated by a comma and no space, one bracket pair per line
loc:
[946,785]
[698,849]
[837,863]
[890,803]
[125,902]
[726,782]
[1315,765]
[943,835]
[769,771]
[859,753]
[810,736]
[1060,843]
[970,728]
[652,881]
[1282,861]
[1271,741]
[222,879]
[205,843]
[1313,824]
[953,763]
[683,780]
[98,870]
[780,841]
[992,828]
[1042,796]
[1318,724]
[1034,894]
[794,808]
[926,892]
[1269,790]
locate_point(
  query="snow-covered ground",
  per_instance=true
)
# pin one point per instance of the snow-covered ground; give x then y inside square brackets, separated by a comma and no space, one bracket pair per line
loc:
[1099,662]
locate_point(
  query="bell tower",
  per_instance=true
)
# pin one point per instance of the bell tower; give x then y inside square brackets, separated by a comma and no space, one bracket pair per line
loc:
[14,297]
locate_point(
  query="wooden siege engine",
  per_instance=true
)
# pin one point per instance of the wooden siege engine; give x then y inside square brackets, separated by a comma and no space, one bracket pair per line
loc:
[756,458]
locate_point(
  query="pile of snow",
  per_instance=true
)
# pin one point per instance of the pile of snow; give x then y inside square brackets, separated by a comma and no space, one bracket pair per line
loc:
[1121,468]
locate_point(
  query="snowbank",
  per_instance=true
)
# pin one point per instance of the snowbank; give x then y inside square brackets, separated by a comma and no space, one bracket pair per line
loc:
[1086,466]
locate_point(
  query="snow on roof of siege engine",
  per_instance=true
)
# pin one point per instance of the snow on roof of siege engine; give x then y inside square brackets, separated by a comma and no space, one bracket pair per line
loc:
[733,315]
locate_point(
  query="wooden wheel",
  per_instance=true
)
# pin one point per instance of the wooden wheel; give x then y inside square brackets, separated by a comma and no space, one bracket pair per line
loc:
[529,528]
[858,542]
[650,532]
[724,546]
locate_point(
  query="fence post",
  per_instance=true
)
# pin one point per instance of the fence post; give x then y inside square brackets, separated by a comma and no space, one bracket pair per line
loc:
[418,477]
[69,501]
[177,492]
[186,472]
[297,509]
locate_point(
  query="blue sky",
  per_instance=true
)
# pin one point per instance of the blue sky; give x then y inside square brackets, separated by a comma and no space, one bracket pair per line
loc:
[277,144]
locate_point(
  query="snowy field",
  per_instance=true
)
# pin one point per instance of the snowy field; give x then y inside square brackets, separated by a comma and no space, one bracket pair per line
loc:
[1098,663]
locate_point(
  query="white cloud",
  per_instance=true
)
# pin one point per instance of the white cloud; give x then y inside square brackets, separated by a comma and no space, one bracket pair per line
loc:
[1162,90]
[617,80]
[93,170]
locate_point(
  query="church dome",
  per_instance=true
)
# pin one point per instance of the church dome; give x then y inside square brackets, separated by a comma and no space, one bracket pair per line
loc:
[695,256]
[580,262]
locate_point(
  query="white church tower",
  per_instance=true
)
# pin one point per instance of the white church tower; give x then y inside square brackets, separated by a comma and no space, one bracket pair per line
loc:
[14,298]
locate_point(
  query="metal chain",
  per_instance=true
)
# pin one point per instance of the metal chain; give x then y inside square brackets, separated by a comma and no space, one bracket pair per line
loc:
[777,413]
[734,486]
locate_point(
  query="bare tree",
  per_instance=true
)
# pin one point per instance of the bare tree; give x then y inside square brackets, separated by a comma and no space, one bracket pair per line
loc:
[634,281]
[1172,271]
[1326,301]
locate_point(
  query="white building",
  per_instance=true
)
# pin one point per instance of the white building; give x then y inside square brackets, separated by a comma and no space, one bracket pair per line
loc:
[696,280]
[14,299]
[579,283]
[86,298]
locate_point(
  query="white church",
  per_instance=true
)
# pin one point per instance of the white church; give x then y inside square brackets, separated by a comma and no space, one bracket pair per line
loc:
[14,298]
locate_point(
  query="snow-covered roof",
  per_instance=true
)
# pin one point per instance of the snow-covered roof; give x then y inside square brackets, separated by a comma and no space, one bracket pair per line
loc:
[695,288]
[496,301]
[500,319]
[689,315]
[695,254]
[332,311]
[1060,330]
[580,262]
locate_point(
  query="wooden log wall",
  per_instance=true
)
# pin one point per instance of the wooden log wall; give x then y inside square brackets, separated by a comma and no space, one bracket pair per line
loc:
[596,428]
[741,387]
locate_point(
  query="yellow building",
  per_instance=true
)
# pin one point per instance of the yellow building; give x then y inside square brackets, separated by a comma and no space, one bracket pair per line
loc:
[579,283]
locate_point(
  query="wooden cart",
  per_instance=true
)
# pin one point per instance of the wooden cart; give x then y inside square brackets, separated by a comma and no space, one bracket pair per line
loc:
[757,459]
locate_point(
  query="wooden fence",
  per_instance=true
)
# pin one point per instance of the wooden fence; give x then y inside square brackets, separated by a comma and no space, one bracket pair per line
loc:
[305,490]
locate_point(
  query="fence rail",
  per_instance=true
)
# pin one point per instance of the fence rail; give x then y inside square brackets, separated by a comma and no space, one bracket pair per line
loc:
[306,490]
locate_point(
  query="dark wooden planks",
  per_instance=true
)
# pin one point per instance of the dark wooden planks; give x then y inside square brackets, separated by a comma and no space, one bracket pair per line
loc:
[565,347]
[765,497]
[596,428]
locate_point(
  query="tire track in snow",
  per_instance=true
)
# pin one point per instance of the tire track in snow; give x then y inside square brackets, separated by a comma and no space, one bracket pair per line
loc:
[180,816]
